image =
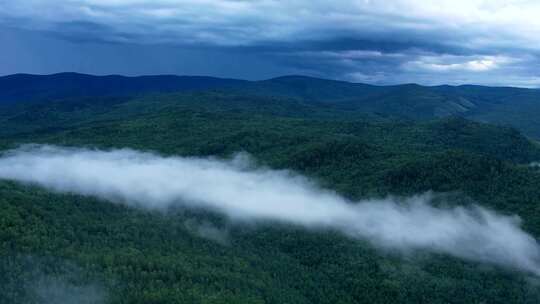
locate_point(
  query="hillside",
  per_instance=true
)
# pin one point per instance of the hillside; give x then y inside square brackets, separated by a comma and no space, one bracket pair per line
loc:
[25,87]
[78,245]
[503,106]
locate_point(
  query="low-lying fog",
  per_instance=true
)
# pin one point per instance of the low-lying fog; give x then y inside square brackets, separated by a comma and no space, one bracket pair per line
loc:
[245,192]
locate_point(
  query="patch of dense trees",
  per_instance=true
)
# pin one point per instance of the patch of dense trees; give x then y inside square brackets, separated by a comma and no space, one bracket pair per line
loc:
[80,245]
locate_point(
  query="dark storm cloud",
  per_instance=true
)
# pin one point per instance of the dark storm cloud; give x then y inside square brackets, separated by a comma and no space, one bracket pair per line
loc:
[36,52]
[377,41]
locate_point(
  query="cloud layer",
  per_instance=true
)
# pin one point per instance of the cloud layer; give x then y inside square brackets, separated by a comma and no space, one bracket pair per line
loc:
[475,23]
[244,192]
[445,41]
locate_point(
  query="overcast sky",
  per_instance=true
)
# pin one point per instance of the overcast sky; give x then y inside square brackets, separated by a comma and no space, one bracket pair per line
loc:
[492,42]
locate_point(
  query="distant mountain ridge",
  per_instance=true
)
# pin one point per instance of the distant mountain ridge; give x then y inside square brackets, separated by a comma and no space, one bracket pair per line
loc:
[21,87]
[516,107]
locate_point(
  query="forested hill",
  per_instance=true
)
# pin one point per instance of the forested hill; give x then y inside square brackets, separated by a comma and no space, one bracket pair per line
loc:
[515,107]
[25,87]
[55,246]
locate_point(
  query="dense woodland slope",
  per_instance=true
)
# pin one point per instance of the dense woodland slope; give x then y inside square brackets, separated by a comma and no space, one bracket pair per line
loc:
[514,107]
[55,247]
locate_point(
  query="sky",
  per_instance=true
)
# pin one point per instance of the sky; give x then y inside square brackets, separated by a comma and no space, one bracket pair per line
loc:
[489,42]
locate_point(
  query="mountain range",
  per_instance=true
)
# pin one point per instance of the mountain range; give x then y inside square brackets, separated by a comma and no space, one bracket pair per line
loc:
[361,143]
[515,107]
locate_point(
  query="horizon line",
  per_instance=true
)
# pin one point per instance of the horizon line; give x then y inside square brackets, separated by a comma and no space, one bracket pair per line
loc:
[269,79]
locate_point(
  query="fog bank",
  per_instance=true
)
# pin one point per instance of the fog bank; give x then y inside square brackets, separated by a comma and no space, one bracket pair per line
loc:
[244,192]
